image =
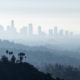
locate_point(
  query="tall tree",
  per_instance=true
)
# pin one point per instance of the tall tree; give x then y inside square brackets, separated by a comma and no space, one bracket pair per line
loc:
[21,56]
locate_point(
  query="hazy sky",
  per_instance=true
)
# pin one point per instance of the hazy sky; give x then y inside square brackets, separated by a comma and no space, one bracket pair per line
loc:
[47,13]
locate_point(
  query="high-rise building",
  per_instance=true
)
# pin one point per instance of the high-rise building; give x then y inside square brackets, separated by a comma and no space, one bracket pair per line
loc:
[39,30]
[61,32]
[55,30]
[12,23]
[50,31]
[2,32]
[11,32]
[30,29]
[11,28]
[66,33]
[1,28]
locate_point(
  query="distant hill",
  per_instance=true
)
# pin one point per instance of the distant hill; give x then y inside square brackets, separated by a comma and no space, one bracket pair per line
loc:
[41,55]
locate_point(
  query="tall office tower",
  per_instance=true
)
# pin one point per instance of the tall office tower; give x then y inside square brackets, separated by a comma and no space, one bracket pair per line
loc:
[50,32]
[11,28]
[66,33]
[1,28]
[55,30]
[61,32]
[2,32]
[12,23]
[30,29]
[11,32]
[39,30]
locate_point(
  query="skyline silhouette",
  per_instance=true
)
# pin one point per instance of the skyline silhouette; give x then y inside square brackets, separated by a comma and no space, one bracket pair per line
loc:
[30,30]
[26,35]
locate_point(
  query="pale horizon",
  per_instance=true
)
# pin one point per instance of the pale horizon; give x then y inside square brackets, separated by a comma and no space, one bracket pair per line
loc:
[46,13]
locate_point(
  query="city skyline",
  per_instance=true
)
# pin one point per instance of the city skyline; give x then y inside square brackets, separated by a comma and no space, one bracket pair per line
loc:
[29,30]
[26,35]
[48,13]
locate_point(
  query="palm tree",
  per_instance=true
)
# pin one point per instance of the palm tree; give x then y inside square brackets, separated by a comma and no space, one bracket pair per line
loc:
[13,59]
[9,53]
[21,56]
[25,58]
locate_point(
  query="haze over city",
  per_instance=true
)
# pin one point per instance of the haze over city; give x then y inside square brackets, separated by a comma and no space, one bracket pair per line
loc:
[48,13]
[39,39]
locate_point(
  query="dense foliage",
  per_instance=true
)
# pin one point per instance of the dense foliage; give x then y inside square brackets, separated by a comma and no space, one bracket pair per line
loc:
[13,69]
[66,72]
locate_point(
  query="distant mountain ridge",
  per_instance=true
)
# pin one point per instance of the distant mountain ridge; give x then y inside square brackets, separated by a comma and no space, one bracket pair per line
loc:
[41,55]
